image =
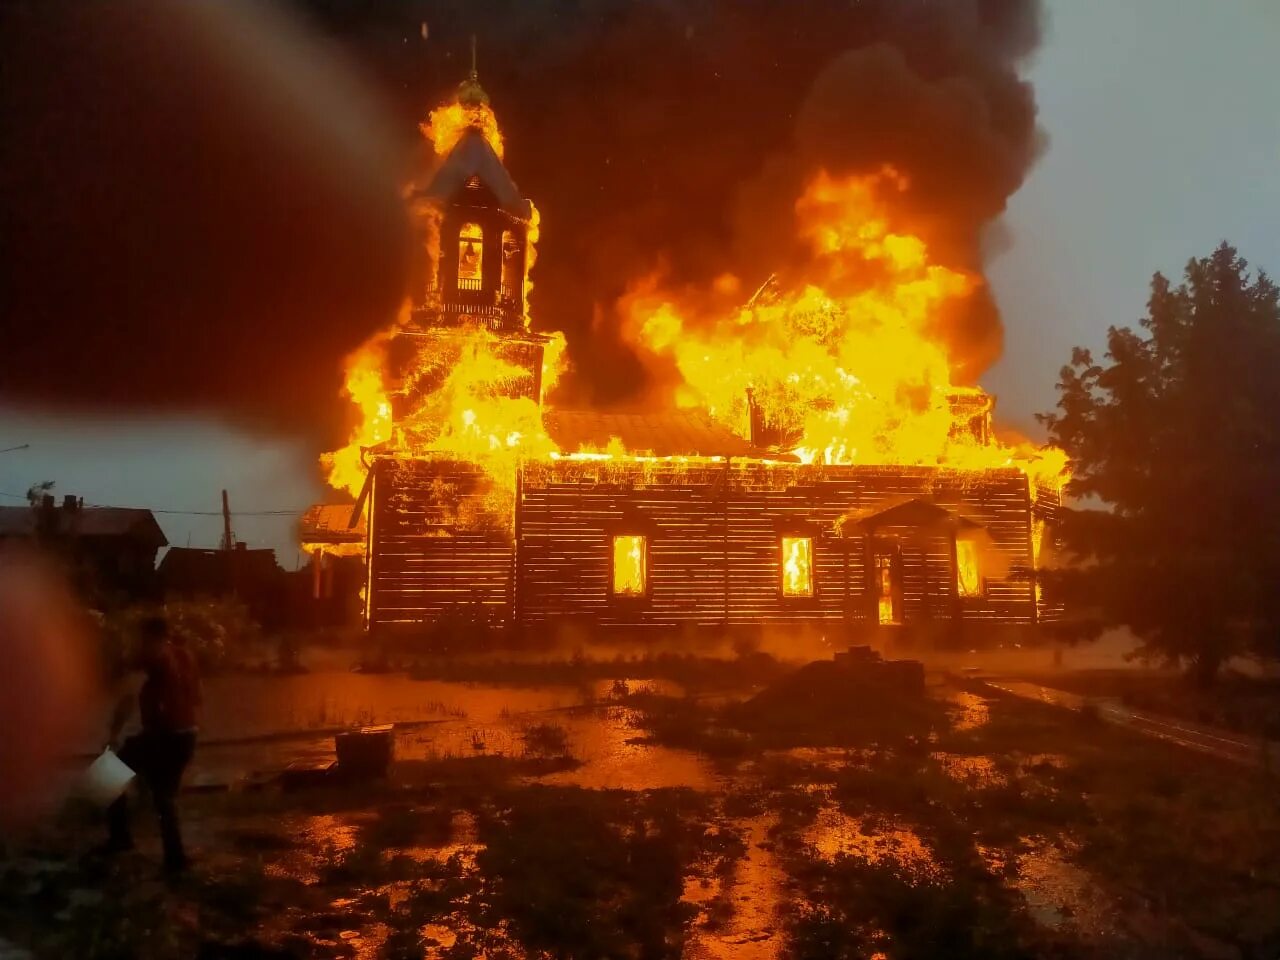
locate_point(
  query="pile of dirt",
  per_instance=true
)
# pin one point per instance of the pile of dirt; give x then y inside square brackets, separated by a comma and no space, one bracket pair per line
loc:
[842,703]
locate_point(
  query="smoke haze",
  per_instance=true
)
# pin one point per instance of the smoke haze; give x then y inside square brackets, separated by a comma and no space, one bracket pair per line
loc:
[674,133]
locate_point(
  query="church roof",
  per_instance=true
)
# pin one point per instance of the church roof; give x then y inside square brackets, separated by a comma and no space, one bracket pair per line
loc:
[473,157]
[673,433]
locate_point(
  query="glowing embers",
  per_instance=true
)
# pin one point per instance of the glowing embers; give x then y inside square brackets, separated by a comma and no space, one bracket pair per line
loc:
[968,573]
[886,585]
[470,256]
[797,566]
[630,565]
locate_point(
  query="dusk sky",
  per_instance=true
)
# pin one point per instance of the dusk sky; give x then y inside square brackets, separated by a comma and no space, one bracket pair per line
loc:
[1163,141]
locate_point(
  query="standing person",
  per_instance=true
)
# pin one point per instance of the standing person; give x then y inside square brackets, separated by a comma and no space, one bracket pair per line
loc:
[168,703]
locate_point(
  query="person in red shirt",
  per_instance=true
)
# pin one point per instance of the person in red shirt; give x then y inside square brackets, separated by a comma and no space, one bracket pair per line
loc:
[168,705]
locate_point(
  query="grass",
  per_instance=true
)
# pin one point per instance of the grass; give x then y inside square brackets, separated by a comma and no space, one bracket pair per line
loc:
[609,885]
[692,671]
[1189,837]
[546,740]
[1248,705]
[473,845]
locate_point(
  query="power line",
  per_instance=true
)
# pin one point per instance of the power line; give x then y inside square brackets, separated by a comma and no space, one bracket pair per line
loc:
[184,513]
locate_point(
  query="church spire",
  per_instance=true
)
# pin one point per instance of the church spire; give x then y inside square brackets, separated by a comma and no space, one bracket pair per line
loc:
[470,93]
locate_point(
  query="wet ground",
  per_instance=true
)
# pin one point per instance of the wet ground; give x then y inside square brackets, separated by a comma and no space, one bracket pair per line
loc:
[1215,741]
[992,827]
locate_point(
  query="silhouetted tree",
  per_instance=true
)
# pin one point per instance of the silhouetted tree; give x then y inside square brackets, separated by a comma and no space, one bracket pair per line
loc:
[1175,443]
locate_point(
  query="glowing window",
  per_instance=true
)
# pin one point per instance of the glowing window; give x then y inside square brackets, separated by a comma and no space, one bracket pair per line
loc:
[886,600]
[630,566]
[968,575]
[470,252]
[797,566]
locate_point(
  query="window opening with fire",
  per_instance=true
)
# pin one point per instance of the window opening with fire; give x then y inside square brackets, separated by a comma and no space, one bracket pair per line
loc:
[797,566]
[968,572]
[470,256]
[630,565]
[886,590]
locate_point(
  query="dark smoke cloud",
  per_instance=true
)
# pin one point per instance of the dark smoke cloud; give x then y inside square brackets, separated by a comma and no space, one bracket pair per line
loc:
[201,212]
[684,129]
[645,130]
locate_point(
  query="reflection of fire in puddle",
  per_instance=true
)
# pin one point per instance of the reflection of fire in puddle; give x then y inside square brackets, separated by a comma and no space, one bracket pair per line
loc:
[462,843]
[969,710]
[752,892]
[608,744]
[324,836]
[834,833]
[607,689]
[1058,893]
[973,770]
[327,830]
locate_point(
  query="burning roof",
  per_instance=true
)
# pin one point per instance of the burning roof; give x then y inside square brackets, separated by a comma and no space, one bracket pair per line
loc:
[842,357]
[668,433]
[473,160]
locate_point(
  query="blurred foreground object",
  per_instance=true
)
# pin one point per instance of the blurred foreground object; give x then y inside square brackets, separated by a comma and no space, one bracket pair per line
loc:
[199,209]
[47,690]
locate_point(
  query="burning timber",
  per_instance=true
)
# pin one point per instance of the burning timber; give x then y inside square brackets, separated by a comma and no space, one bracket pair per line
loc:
[816,464]
[710,541]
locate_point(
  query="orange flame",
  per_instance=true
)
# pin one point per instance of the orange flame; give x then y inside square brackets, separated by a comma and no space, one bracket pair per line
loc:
[446,124]
[365,386]
[797,566]
[845,366]
[629,566]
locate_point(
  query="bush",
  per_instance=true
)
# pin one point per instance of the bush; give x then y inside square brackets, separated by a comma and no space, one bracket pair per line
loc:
[547,740]
[218,631]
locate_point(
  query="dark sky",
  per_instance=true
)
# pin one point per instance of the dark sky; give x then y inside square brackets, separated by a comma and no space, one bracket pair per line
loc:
[1161,142]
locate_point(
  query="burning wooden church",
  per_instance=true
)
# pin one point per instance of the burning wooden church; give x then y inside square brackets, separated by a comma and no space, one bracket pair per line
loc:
[485,504]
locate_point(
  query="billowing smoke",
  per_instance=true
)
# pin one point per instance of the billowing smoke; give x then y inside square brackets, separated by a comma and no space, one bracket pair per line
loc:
[671,130]
[201,212]
[682,131]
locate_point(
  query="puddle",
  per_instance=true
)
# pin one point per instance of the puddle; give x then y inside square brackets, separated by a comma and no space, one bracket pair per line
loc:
[972,770]
[1060,894]
[606,689]
[606,743]
[834,833]
[968,710]
[242,706]
[753,893]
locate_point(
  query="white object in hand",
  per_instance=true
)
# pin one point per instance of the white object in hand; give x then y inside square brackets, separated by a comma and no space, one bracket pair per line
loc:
[107,778]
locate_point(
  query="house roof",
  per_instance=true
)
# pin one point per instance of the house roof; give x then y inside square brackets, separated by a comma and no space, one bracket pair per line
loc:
[86,522]
[196,569]
[473,157]
[330,523]
[674,433]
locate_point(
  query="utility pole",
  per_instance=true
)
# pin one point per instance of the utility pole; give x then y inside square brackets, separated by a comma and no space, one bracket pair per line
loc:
[227,542]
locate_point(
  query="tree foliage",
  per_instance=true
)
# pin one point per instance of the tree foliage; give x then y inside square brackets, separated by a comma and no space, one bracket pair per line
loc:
[1175,449]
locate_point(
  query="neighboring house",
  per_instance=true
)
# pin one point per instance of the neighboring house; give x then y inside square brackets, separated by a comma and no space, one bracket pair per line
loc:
[252,576]
[334,540]
[110,550]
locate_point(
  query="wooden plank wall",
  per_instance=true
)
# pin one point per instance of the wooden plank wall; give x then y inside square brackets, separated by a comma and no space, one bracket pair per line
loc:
[702,517]
[1045,506]
[713,534]
[423,566]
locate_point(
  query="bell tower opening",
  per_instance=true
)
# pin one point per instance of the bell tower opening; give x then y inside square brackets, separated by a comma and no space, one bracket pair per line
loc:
[471,257]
